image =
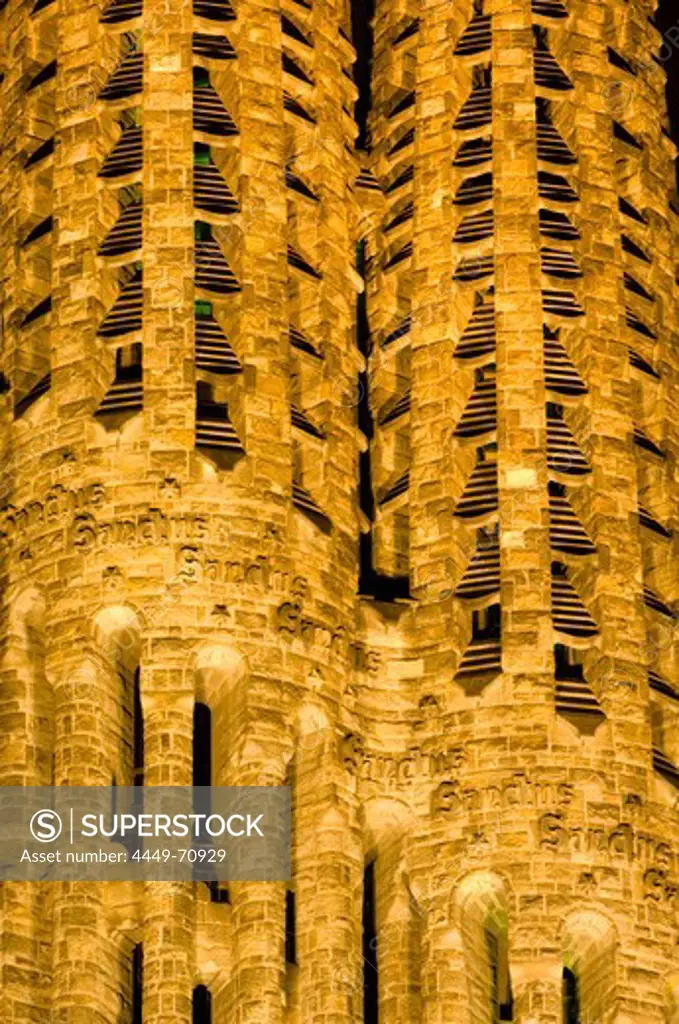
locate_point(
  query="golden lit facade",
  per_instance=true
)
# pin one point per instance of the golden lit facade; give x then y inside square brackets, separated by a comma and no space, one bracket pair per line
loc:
[212,406]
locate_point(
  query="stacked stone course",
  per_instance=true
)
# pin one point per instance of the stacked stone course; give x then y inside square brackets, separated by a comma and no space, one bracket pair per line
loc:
[484,774]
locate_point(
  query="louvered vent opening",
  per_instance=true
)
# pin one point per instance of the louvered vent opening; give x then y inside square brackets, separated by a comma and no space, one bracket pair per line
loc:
[474,269]
[651,522]
[395,409]
[400,331]
[293,67]
[213,273]
[477,36]
[296,260]
[297,184]
[665,767]
[474,228]
[476,111]
[302,343]
[213,351]
[126,80]
[473,152]
[631,211]
[303,500]
[566,532]
[209,113]
[45,74]
[569,615]
[44,150]
[633,249]
[126,312]
[549,9]
[557,225]
[212,47]
[210,191]
[41,5]
[548,74]
[618,61]
[642,440]
[214,10]
[367,180]
[656,604]
[639,363]
[551,146]
[480,414]
[637,324]
[301,421]
[632,285]
[478,189]
[574,697]
[563,453]
[555,188]
[411,29]
[40,388]
[126,157]
[293,31]
[403,142]
[483,657]
[404,253]
[402,178]
[41,309]
[295,107]
[125,397]
[560,373]
[214,430]
[395,490]
[621,133]
[404,103]
[478,337]
[480,495]
[560,303]
[121,10]
[660,685]
[125,235]
[482,576]
[402,217]
[39,231]
[559,263]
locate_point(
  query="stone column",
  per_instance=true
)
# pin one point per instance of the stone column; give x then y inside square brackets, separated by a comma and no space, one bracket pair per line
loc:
[260,258]
[80,369]
[445,997]
[329,885]
[84,960]
[536,989]
[608,499]
[399,927]
[168,245]
[436,404]
[168,907]
[525,557]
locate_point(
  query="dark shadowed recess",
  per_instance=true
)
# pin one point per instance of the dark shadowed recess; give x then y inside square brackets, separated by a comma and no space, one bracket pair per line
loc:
[667,21]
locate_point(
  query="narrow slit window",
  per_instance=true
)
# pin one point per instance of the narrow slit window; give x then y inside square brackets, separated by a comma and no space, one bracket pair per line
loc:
[370,988]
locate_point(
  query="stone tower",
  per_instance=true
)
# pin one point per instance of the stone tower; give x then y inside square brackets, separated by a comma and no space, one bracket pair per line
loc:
[354,471]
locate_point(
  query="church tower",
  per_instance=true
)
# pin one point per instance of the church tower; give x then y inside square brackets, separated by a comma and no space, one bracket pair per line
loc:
[346,462]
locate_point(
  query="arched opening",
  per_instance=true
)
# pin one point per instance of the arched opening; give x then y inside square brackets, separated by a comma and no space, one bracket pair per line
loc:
[571,997]
[137,983]
[482,903]
[370,967]
[27,693]
[117,642]
[589,956]
[202,1005]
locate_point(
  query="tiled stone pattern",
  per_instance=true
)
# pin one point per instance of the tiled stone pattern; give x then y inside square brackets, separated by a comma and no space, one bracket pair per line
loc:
[494,819]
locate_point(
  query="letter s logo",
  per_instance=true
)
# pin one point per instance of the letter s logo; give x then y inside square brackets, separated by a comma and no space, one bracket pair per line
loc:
[45,826]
